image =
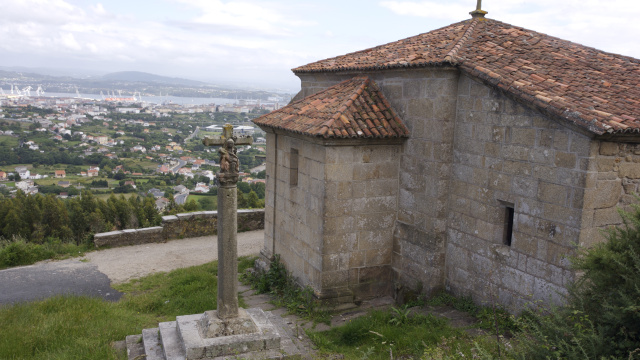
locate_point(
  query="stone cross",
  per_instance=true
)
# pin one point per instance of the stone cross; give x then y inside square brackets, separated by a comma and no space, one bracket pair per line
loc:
[228,220]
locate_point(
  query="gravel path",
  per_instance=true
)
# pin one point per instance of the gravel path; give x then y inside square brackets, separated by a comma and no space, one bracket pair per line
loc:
[129,262]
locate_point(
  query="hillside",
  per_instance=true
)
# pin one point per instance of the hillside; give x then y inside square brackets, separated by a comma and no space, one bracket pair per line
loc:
[138,76]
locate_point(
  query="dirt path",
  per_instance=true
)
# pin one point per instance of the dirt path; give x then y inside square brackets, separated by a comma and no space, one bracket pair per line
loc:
[130,262]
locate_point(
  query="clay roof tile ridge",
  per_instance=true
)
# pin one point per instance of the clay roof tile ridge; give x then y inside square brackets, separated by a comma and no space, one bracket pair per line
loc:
[451,56]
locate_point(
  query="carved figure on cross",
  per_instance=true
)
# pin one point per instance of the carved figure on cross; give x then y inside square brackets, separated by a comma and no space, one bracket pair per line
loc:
[228,151]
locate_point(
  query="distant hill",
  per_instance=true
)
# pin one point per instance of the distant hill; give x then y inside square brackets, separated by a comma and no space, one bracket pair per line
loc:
[138,76]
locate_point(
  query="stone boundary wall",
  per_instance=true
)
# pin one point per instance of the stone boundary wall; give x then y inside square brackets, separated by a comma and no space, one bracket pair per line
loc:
[179,226]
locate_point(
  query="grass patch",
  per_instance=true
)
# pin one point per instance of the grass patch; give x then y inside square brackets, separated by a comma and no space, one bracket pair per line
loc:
[379,335]
[20,252]
[67,327]
[74,327]
[165,294]
[491,317]
[8,141]
[107,196]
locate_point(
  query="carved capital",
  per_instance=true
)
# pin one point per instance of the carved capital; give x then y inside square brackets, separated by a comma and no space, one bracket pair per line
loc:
[227,179]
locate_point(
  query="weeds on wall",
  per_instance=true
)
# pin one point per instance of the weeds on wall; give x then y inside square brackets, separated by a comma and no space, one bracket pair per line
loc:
[287,293]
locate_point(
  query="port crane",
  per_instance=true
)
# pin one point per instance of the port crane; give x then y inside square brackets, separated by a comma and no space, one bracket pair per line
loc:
[27,91]
[40,91]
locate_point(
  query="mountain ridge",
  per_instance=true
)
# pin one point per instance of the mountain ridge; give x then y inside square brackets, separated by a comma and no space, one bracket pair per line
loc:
[140,76]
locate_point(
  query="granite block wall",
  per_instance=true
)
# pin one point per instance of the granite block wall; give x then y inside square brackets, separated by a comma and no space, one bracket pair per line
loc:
[293,225]
[474,158]
[509,156]
[360,211]
[425,99]
[613,185]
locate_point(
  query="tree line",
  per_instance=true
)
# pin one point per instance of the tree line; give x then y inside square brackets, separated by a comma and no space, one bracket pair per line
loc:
[37,218]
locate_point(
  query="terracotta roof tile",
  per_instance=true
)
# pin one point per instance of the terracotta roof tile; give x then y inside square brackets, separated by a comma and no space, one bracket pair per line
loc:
[421,50]
[351,109]
[593,89]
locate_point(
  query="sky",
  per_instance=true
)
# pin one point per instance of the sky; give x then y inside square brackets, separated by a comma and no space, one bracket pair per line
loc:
[257,43]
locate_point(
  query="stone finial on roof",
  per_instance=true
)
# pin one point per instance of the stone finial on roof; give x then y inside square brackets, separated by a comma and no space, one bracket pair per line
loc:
[478,12]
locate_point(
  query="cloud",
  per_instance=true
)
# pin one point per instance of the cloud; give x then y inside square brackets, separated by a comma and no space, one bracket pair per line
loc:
[222,36]
[258,18]
[431,9]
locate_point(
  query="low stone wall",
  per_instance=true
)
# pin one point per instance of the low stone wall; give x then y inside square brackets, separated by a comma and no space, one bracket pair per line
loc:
[179,226]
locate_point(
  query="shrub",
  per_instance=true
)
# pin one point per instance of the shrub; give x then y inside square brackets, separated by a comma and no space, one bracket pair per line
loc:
[19,252]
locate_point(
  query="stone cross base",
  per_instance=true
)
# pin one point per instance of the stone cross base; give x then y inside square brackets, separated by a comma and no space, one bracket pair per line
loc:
[207,337]
[212,326]
[255,334]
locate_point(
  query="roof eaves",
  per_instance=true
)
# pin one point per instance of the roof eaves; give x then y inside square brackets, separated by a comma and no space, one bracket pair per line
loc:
[373,68]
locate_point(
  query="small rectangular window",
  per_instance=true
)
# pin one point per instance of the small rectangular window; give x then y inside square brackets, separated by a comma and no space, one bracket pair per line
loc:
[508,223]
[293,167]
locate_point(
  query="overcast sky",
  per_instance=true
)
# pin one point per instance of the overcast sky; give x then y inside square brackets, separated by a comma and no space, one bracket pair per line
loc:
[258,42]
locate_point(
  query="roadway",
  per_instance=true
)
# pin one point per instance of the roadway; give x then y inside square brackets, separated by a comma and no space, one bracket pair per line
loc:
[93,274]
[181,198]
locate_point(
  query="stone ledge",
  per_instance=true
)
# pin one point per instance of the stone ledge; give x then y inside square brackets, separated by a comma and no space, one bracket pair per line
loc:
[201,223]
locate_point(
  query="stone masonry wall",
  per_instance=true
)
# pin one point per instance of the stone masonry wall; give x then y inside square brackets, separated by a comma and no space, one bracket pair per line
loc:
[613,184]
[360,212]
[178,227]
[425,99]
[508,154]
[293,226]
[472,153]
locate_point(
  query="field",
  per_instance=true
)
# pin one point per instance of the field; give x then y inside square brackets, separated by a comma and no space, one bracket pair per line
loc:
[106,196]
[210,202]
[9,141]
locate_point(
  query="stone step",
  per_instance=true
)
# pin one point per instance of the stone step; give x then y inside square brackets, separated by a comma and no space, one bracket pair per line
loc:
[291,345]
[171,341]
[152,344]
[135,348]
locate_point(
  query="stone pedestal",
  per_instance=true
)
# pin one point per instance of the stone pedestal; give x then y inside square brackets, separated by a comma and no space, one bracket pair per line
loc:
[186,339]
[211,325]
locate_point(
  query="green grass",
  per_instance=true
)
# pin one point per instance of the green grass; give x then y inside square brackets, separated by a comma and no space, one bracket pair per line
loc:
[12,168]
[8,141]
[19,252]
[490,317]
[214,199]
[197,197]
[67,327]
[74,327]
[378,336]
[106,196]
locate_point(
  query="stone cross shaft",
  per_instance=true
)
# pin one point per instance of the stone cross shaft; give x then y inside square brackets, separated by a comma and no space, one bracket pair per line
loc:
[227,220]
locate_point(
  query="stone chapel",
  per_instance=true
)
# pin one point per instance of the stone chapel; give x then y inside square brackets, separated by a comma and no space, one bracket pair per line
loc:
[472,158]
